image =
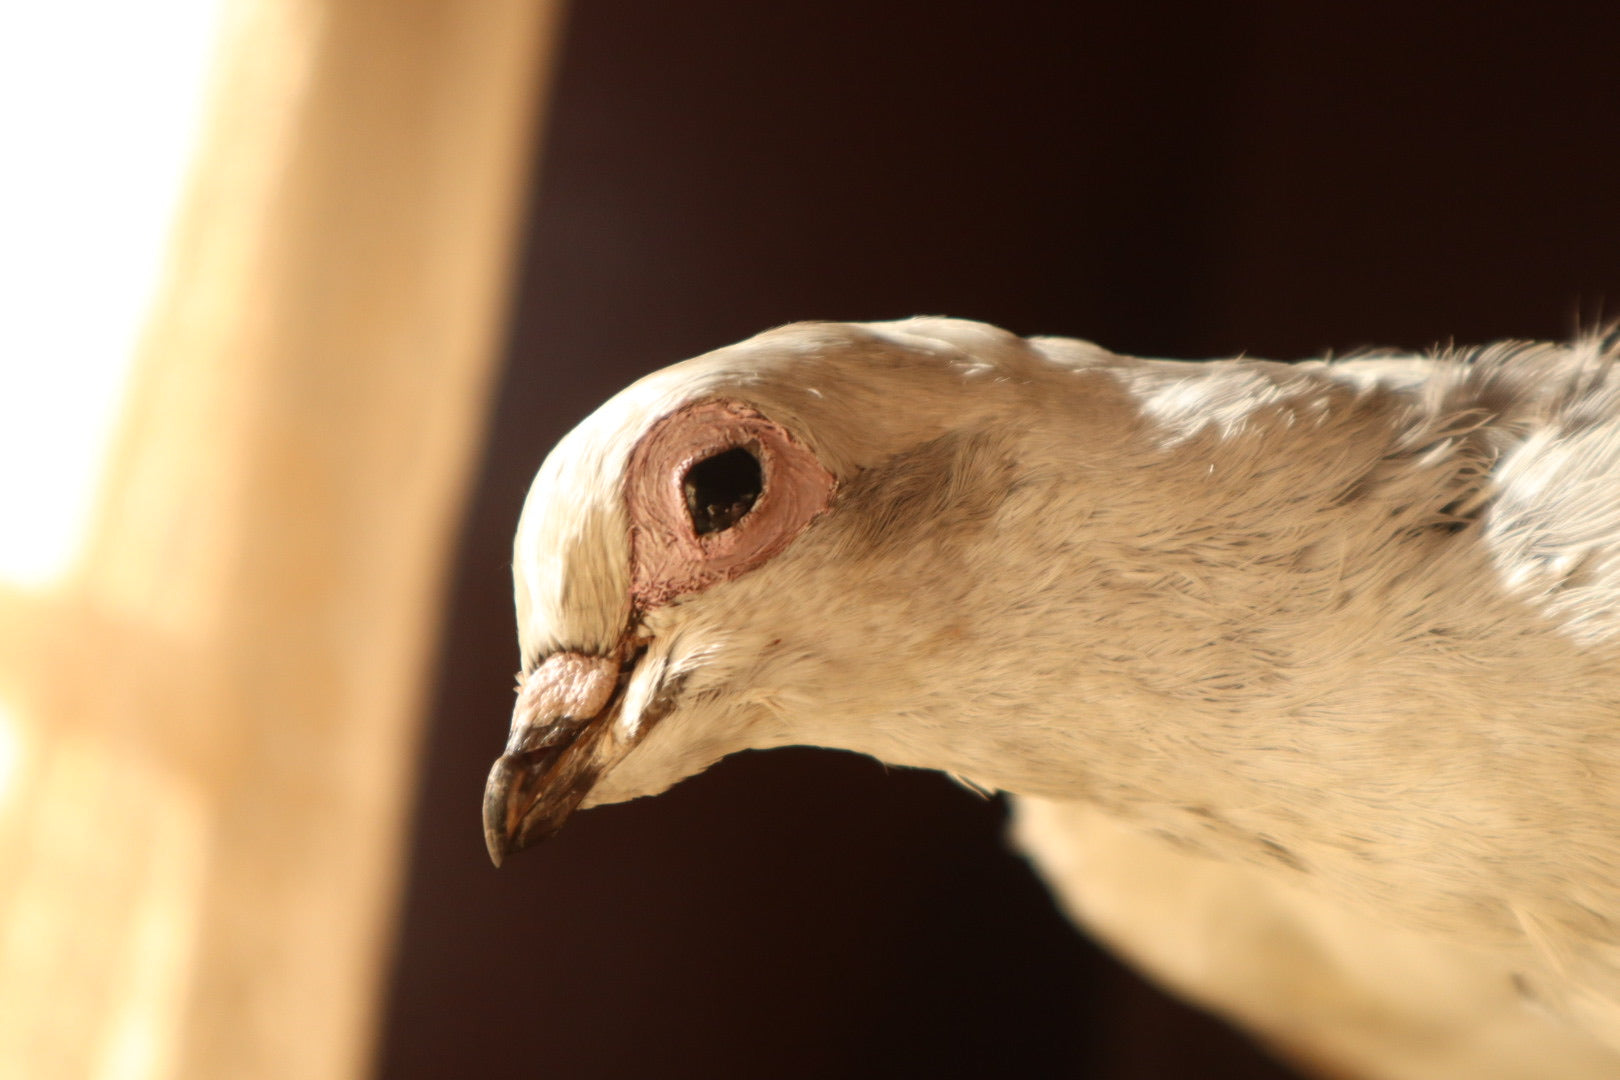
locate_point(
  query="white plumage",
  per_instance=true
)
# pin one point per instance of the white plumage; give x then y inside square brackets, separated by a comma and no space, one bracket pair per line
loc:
[1306,677]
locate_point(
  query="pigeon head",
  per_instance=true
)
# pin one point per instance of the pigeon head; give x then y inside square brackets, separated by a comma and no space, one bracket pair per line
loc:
[753,548]
[1177,591]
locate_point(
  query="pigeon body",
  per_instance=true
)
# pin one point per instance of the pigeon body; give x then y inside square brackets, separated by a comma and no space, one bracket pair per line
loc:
[1305,677]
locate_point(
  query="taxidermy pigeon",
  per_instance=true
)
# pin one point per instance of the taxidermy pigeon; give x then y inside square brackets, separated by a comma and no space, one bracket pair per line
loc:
[1304,678]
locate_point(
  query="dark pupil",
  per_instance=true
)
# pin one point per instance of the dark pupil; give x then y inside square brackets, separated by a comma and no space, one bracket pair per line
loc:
[721,489]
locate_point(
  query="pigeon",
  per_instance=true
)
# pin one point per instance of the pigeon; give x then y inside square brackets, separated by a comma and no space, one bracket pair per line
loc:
[1303,679]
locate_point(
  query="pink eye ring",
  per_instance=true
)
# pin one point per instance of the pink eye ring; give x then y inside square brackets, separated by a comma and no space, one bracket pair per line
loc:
[714,490]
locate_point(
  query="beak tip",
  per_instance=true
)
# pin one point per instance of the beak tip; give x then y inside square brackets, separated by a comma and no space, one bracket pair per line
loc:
[497,848]
[532,790]
[515,819]
[497,797]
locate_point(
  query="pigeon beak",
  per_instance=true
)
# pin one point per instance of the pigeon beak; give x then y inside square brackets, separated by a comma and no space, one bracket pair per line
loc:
[562,739]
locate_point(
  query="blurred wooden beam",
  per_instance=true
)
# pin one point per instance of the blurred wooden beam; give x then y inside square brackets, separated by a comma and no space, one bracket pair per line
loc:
[222,707]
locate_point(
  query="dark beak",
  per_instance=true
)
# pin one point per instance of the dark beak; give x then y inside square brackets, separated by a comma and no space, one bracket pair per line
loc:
[560,743]
[534,787]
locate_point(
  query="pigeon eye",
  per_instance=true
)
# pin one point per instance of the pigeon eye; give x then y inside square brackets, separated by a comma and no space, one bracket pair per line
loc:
[721,489]
[713,490]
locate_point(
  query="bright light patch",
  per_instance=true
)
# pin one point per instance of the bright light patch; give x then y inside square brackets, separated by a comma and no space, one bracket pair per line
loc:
[99,102]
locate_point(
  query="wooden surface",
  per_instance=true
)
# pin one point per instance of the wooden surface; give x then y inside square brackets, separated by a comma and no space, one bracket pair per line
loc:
[220,707]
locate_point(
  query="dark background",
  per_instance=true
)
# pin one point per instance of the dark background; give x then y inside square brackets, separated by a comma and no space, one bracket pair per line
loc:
[1185,180]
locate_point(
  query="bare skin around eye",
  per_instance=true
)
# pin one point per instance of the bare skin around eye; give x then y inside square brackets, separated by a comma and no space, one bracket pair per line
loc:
[669,556]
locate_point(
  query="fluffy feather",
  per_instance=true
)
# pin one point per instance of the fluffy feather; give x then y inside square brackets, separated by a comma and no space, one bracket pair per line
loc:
[1339,637]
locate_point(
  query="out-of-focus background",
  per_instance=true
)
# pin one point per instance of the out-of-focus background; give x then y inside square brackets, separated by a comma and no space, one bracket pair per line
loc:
[296,294]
